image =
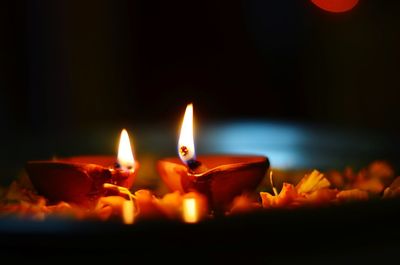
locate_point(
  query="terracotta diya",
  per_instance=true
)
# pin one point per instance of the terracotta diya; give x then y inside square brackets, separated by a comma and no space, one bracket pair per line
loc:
[220,177]
[228,176]
[80,179]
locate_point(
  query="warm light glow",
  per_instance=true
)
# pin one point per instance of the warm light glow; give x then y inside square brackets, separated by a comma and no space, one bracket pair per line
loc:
[190,211]
[335,6]
[186,143]
[125,154]
[128,212]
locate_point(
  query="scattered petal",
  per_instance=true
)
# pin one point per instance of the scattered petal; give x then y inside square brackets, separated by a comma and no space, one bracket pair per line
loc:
[382,171]
[312,182]
[371,185]
[352,195]
[148,206]
[393,191]
[285,197]
[244,204]
[321,196]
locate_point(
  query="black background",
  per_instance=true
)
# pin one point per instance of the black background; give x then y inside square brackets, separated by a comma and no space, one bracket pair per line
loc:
[74,64]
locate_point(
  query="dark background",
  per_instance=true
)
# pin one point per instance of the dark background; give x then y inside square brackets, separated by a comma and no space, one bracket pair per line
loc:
[68,68]
[73,73]
[72,64]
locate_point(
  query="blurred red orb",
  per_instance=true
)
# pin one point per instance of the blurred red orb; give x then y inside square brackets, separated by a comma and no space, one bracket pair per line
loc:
[336,6]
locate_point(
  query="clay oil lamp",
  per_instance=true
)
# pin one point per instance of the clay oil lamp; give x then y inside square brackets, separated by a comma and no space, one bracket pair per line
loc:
[80,179]
[219,177]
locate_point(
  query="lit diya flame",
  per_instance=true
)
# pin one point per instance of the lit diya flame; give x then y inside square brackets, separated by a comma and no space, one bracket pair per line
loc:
[335,6]
[186,148]
[186,142]
[125,154]
[190,211]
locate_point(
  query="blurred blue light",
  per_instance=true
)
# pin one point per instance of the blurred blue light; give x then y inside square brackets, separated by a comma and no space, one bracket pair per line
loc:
[280,142]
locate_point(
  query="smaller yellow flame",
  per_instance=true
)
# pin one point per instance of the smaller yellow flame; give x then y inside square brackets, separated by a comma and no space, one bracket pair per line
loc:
[125,154]
[128,212]
[186,143]
[190,211]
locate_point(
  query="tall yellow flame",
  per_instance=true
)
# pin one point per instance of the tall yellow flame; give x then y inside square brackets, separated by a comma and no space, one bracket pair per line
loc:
[125,154]
[186,143]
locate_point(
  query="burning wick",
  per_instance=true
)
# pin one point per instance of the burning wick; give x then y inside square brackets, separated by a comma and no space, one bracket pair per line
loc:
[193,164]
[186,148]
